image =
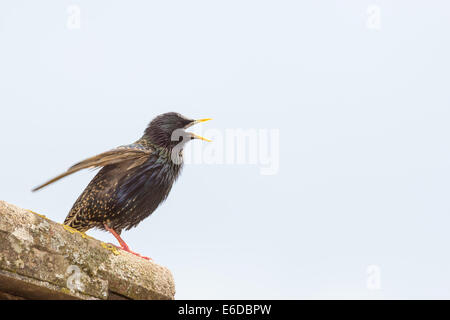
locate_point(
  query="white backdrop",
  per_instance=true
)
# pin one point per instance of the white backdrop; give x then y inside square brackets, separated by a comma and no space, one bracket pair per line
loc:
[358,91]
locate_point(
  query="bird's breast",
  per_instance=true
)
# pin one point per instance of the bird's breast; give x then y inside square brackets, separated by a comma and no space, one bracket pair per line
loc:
[145,187]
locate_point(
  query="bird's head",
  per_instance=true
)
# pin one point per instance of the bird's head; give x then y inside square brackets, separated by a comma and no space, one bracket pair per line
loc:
[168,130]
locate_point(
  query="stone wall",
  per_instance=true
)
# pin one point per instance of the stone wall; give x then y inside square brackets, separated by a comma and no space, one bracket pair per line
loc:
[42,259]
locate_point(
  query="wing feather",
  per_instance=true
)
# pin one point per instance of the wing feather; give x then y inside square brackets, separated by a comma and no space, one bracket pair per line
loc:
[111,157]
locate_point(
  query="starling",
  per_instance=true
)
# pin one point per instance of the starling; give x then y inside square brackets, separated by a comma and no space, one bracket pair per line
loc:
[134,179]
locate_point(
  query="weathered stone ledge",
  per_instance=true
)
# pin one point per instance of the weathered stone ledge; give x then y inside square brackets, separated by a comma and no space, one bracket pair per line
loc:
[42,259]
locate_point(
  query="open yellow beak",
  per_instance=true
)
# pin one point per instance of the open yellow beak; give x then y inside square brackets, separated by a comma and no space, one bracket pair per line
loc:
[196,136]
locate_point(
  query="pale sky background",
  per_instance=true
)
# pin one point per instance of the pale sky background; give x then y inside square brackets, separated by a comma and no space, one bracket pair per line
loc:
[363,116]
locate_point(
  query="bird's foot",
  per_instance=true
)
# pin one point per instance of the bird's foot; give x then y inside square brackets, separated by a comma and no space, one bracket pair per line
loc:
[127,249]
[137,254]
[122,243]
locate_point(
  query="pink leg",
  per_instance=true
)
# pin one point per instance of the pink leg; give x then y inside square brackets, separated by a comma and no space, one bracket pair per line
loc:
[122,243]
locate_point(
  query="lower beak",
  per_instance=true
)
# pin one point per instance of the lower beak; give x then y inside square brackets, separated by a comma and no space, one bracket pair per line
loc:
[196,136]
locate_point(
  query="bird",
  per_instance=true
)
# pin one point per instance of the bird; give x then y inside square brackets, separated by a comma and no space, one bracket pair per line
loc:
[134,179]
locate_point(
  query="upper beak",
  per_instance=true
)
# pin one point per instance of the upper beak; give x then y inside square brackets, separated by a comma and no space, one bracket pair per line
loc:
[196,136]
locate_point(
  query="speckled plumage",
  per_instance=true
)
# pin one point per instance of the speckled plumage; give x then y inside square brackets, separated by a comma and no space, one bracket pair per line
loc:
[122,197]
[134,179]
